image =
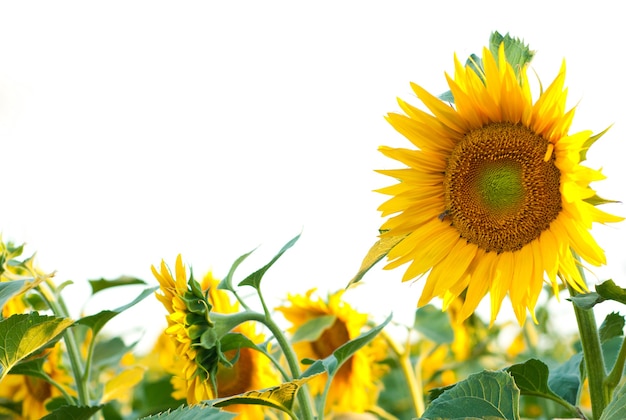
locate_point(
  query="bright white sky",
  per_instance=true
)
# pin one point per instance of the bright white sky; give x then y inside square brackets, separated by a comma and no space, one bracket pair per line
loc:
[132,131]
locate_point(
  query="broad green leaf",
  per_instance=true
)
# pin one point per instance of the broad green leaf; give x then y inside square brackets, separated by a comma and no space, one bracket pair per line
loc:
[99,320]
[102,283]
[313,329]
[23,334]
[610,291]
[565,379]
[254,279]
[9,289]
[482,395]
[227,282]
[196,412]
[110,352]
[72,412]
[586,300]
[616,410]
[376,253]
[612,326]
[531,377]
[154,396]
[434,324]
[589,142]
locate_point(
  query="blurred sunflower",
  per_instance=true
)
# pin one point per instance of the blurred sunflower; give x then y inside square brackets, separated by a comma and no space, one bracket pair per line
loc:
[251,370]
[494,197]
[355,387]
[33,393]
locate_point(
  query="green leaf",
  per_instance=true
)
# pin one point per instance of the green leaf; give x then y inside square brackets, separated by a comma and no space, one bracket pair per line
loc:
[109,352]
[332,363]
[102,283]
[99,320]
[482,395]
[616,410]
[517,53]
[313,329]
[33,367]
[589,142]
[586,300]
[154,396]
[377,252]
[9,289]
[22,335]
[612,326]
[610,291]
[434,324]
[196,412]
[72,412]
[565,379]
[596,200]
[531,377]
[254,279]
[227,282]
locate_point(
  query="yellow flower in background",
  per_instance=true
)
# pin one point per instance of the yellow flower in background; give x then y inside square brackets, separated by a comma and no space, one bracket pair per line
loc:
[494,197]
[251,369]
[355,387]
[34,393]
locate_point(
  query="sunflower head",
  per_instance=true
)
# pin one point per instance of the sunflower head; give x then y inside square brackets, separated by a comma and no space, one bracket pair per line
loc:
[493,198]
[198,353]
[355,387]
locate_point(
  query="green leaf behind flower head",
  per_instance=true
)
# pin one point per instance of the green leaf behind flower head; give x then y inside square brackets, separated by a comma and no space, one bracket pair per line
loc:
[254,279]
[377,252]
[22,335]
[589,142]
[434,324]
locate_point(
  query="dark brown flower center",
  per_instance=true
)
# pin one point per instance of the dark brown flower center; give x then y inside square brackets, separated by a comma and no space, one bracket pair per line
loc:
[501,187]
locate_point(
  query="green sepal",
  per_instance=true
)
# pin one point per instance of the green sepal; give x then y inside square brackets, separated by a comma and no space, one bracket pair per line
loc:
[377,252]
[596,200]
[254,279]
[590,141]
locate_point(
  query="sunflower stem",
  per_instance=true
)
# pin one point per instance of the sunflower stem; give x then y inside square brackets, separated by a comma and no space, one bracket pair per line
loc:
[593,357]
[410,374]
[304,398]
[57,305]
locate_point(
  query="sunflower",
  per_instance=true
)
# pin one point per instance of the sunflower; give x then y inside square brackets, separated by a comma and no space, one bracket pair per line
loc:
[494,198]
[355,387]
[250,370]
[34,393]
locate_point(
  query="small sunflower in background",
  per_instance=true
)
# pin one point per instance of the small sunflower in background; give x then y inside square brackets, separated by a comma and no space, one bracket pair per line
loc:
[196,369]
[494,197]
[356,385]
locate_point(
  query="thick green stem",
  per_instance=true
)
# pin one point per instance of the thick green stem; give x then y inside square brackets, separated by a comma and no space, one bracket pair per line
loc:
[593,357]
[304,398]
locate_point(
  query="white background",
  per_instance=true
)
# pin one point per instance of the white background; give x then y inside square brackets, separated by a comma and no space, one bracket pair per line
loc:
[132,131]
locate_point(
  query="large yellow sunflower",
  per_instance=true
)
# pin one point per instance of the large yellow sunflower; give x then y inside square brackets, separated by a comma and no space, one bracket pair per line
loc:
[355,386]
[251,369]
[494,198]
